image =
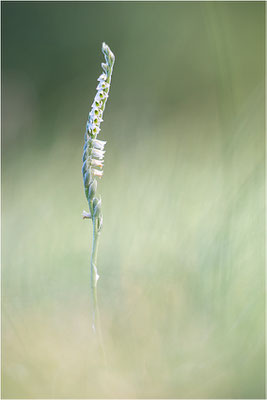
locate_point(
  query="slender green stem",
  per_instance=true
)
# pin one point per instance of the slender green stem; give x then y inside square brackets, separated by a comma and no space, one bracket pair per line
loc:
[94,277]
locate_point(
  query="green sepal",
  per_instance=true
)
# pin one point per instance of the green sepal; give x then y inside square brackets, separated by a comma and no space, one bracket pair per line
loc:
[95,201]
[92,189]
[84,167]
[97,207]
[86,179]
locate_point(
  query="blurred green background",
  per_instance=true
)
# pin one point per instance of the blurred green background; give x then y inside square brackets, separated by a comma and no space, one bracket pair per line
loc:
[181,256]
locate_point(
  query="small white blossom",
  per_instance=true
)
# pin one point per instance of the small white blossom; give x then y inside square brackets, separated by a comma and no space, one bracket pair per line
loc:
[95,130]
[101,95]
[97,173]
[102,77]
[97,103]
[91,125]
[98,154]
[97,121]
[96,112]
[102,85]
[86,215]
[99,144]
[97,163]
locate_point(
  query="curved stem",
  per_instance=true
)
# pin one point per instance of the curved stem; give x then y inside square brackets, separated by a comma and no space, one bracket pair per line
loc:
[94,279]
[94,276]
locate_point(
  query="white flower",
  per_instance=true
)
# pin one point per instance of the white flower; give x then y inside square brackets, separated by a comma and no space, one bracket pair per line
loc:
[96,130]
[92,125]
[97,163]
[102,85]
[97,173]
[102,77]
[97,103]
[96,120]
[95,113]
[101,95]
[98,154]
[86,215]
[98,144]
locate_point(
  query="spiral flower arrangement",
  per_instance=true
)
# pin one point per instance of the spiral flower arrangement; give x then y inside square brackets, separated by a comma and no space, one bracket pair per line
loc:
[93,163]
[93,155]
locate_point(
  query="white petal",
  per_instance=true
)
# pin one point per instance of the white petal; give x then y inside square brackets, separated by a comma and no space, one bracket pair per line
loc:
[101,95]
[86,215]
[97,163]
[97,102]
[93,128]
[98,154]
[99,144]
[96,112]
[104,66]
[98,173]
[102,77]
[102,85]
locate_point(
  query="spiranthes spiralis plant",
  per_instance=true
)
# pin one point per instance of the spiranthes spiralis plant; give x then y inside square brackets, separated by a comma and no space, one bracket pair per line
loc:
[92,169]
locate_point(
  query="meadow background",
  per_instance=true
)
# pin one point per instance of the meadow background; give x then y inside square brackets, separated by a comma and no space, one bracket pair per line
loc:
[181,256]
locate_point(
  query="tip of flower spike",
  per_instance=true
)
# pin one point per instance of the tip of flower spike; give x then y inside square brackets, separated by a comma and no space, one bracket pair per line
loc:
[107,52]
[105,47]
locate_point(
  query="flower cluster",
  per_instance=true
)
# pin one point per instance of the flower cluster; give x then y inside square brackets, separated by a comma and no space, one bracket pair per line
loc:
[93,155]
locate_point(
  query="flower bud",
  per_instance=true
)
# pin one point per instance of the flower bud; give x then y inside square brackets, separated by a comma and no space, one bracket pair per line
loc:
[104,67]
[95,201]
[86,178]
[92,189]
[102,77]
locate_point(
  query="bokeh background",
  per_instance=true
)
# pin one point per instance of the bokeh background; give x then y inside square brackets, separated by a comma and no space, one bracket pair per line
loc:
[181,256]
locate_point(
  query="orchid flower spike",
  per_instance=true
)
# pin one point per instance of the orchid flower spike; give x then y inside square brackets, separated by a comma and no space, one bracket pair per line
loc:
[93,154]
[92,169]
